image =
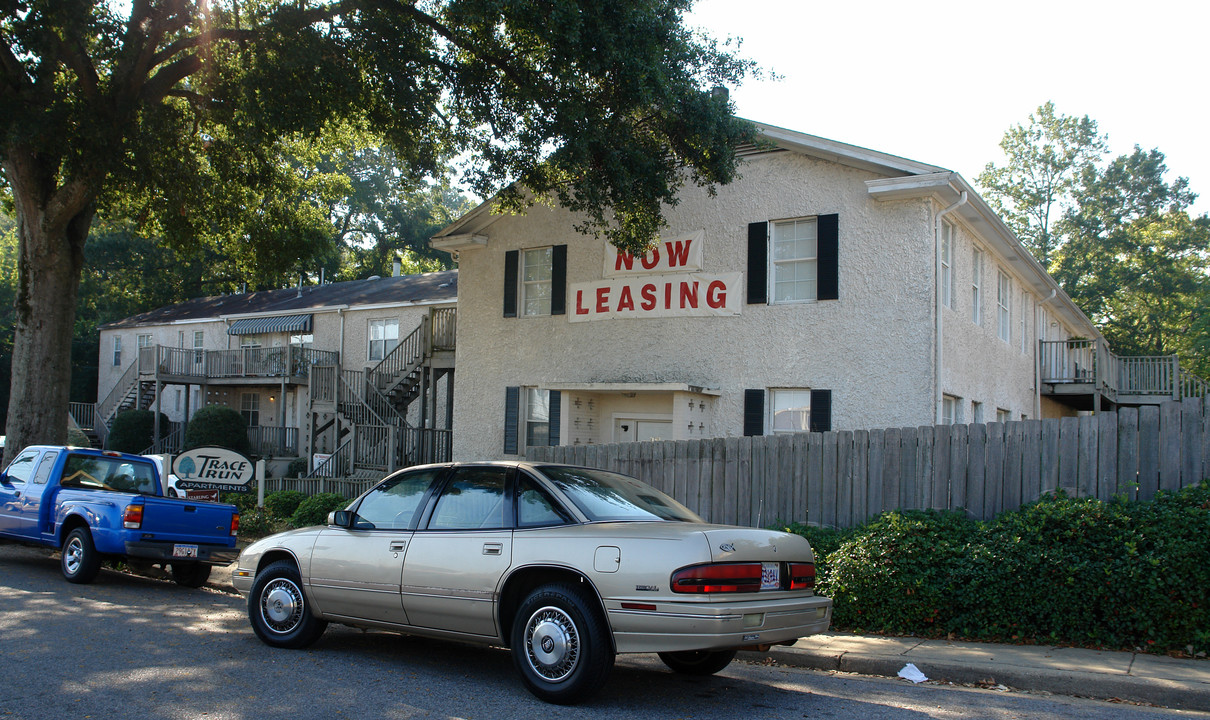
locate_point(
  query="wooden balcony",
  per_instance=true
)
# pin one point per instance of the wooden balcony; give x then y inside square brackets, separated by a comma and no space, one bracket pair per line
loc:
[1085,375]
[291,364]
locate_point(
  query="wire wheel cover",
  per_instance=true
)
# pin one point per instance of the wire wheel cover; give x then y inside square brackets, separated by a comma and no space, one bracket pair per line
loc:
[552,643]
[281,605]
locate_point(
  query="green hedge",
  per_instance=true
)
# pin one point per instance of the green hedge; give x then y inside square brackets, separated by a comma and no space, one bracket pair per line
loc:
[1059,571]
[314,510]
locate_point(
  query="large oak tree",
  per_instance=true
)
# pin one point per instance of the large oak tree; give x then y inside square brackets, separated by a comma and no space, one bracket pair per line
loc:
[174,113]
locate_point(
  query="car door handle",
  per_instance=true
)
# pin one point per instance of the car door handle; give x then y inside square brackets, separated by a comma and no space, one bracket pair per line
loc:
[493,548]
[397,545]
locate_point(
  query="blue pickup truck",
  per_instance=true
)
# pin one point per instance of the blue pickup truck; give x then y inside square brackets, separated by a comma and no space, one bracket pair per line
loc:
[98,505]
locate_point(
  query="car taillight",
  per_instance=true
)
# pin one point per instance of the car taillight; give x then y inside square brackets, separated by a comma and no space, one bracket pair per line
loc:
[132,517]
[234,523]
[718,578]
[802,576]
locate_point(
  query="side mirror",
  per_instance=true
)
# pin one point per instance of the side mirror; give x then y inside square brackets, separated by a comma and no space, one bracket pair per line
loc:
[340,519]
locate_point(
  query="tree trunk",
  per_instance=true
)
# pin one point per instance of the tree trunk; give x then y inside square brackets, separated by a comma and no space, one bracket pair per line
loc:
[51,237]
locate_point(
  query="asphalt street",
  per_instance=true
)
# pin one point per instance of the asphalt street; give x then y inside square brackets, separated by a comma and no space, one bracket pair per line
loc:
[135,647]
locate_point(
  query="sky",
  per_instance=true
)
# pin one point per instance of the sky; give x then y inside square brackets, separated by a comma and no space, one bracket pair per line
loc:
[940,81]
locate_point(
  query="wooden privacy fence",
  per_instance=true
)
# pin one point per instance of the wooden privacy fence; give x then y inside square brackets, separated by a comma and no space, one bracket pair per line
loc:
[840,479]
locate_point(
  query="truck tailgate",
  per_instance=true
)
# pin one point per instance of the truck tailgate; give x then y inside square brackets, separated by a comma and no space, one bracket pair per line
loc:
[187,521]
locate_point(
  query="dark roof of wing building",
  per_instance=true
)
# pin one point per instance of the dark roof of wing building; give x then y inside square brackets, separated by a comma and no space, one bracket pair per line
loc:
[428,288]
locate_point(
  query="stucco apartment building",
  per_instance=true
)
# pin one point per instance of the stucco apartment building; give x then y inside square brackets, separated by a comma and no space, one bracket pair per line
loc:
[829,288]
[311,368]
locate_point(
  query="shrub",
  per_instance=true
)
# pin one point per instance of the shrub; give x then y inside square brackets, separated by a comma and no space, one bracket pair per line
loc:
[220,426]
[245,501]
[133,431]
[256,523]
[284,503]
[314,510]
[297,467]
[1058,571]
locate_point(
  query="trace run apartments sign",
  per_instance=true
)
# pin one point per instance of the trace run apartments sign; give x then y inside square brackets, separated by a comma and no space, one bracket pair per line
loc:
[665,282]
[213,468]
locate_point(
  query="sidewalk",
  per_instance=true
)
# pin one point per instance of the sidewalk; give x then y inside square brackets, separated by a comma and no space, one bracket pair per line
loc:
[1137,677]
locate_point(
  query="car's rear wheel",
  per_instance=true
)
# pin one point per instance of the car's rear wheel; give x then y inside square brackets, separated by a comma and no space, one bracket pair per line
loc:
[279,611]
[80,560]
[698,662]
[560,644]
[192,574]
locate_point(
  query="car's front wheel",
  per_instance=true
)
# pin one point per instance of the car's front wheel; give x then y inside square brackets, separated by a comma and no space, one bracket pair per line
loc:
[560,644]
[697,662]
[279,612]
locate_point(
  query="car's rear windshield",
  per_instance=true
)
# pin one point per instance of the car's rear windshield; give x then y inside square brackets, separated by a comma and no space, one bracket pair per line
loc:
[604,496]
[109,473]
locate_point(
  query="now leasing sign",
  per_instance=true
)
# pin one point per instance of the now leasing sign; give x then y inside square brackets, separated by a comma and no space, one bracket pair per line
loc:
[666,282]
[213,468]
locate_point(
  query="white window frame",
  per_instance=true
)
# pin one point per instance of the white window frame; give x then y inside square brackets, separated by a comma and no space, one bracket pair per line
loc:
[1003,415]
[199,346]
[977,286]
[245,341]
[807,262]
[249,407]
[976,412]
[117,351]
[786,406]
[143,340]
[536,278]
[951,410]
[536,414]
[947,264]
[379,342]
[1004,304]
[1024,315]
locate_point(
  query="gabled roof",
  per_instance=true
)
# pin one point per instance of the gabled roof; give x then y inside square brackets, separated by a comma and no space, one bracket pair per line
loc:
[428,288]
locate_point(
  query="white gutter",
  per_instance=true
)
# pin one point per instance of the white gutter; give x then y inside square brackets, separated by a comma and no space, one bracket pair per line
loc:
[1039,320]
[937,390]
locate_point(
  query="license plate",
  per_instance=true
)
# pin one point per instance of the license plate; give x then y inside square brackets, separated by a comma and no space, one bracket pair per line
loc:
[770,576]
[184,551]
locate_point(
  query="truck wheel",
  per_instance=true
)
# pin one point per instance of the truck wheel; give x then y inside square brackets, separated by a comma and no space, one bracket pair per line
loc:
[80,560]
[279,611]
[560,645]
[697,662]
[192,575]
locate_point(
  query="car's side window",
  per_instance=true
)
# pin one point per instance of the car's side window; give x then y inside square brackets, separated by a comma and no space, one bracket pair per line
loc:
[473,499]
[44,467]
[21,468]
[392,504]
[535,508]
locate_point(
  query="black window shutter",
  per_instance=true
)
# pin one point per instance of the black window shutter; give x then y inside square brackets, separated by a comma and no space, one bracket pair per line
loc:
[558,282]
[512,259]
[556,416]
[754,412]
[758,263]
[512,417]
[829,257]
[821,410]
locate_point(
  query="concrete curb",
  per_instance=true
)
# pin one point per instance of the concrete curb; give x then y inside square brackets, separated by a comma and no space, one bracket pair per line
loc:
[1181,694]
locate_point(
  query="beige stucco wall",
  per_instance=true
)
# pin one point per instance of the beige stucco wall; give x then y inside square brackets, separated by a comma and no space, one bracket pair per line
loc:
[873,347]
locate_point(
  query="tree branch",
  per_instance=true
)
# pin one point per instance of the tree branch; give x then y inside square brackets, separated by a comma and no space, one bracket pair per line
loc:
[14,73]
[159,85]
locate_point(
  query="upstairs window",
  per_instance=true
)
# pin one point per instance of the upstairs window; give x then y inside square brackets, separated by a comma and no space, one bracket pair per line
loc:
[947,264]
[1004,293]
[384,336]
[117,351]
[536,281]
[977,286]
[795,260]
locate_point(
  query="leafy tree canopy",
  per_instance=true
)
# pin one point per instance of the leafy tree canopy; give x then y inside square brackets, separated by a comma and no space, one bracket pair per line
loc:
[192,119]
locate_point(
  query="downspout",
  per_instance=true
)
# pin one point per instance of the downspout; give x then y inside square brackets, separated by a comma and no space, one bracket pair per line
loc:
[937,274]
[1039,320]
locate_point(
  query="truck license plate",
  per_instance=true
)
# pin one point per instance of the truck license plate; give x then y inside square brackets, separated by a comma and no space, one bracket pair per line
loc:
[184,551]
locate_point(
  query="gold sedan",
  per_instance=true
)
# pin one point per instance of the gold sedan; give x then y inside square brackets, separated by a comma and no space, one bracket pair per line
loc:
[567,566]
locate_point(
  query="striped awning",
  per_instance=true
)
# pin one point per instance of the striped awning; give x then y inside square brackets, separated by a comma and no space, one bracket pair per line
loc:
[275,324]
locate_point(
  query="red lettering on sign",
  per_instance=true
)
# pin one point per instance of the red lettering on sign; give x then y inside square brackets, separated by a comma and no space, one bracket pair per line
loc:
[689,292]
[667,296]
[678,253]
[651,259]
[603,299]
[716,294]
[580,309]
[623,258]
[648,293]
[625,301]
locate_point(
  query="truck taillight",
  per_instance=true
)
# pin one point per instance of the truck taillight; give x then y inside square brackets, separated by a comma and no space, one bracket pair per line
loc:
[234,523]
[802,576]
[132,518]
[718,578]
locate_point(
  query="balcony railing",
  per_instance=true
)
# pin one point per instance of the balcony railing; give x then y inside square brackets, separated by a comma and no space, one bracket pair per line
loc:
[290,361]
[268,441]
[1091,362]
